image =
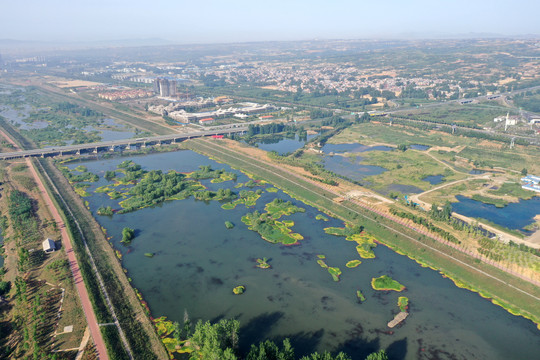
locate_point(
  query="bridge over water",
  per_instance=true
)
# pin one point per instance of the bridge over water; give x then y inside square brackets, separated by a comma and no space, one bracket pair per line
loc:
[126,143]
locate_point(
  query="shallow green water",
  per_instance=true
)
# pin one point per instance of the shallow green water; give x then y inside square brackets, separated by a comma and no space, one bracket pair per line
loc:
[198,262]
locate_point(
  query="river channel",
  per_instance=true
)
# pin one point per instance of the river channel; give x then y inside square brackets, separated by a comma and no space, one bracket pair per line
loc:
[198,261]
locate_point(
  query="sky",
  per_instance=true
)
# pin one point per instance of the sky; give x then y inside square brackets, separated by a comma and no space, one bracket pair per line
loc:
[221,21]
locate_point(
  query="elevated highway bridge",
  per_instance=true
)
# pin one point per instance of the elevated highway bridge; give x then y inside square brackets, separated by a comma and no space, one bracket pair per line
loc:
[126,143]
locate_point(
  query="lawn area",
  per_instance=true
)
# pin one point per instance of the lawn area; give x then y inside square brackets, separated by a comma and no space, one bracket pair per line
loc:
[469,114]
[372,133]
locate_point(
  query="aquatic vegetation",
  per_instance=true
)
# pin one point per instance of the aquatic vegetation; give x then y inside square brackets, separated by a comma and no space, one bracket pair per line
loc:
[239,290]
[278,208]
[348,230]
[154,187]
[77,178]
[220,195]
[252,183]
[321,217]
[365,241]
[322,264]
[81,168]
[403,303]
[113,195]
[272,190]
[334,271]
[107,211]
[128,235]
[150,255]
[268,226]
[225,176]
[353,263]
[245,197]
[163,326]
[360,296]
[80,189]
[104,189]
[206,172]
[321,256]
[270,229]
[229,225]
[263,263]
[385,282]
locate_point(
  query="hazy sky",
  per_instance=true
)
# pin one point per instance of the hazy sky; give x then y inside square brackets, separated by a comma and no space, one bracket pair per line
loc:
[242,20]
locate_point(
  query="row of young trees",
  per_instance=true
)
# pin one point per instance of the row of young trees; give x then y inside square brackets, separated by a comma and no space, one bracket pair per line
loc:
[426,223]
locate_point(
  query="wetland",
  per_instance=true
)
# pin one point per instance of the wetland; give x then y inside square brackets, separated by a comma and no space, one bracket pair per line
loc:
[198,262]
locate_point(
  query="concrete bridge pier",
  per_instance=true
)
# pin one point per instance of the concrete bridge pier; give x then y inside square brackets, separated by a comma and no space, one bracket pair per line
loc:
[95,150]
[42,155]
[78,152]
[158,143]
[111,148]
[128,146]
[143,145]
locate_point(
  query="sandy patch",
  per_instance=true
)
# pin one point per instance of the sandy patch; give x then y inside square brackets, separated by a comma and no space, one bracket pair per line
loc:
[73,83]
[490,144]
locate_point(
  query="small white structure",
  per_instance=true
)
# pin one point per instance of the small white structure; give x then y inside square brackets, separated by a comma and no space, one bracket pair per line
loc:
[49,246]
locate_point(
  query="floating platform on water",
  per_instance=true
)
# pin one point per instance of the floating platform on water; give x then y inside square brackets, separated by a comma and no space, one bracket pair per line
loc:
[398,319]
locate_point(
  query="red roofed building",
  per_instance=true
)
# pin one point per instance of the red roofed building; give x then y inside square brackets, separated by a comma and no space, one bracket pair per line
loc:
[206,121]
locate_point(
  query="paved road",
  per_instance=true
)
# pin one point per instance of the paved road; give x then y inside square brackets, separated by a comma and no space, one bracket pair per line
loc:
[74,265]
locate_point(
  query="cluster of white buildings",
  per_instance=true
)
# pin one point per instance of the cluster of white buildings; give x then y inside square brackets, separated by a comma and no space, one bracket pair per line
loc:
[126,94]
[177,111]
[249,109]
[531,182]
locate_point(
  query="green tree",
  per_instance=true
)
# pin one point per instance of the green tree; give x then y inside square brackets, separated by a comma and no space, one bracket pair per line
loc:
[326,356]
[379,355]
[5,286]
[524,171]
[127,235]
[402,147]
[268,350]
[215,341]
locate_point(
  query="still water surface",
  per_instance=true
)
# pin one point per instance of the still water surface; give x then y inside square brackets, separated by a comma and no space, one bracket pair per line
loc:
[513,216]
[198,262]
